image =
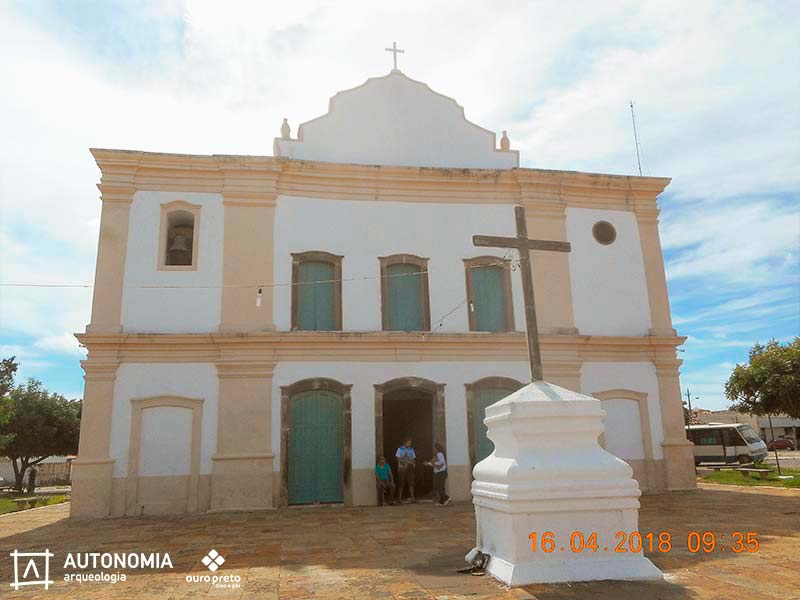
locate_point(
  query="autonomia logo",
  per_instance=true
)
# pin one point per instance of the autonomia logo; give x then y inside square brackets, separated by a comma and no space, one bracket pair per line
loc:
[31,571]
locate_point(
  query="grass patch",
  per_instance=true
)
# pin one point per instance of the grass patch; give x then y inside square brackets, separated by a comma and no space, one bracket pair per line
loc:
[8,505]
[730,477]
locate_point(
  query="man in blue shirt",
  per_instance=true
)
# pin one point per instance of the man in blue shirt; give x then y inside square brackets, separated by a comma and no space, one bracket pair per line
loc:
[384,480]
[406,465]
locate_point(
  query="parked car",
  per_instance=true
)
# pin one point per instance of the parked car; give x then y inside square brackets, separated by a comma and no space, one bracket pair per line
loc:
[782,444]
[4,483]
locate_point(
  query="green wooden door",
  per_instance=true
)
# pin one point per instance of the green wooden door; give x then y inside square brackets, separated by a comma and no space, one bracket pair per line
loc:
[480,400]
[404,286]
[489,299]
[316,448]
[315,296]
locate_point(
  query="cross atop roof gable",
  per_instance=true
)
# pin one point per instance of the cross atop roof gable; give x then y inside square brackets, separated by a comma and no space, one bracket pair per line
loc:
[397,121]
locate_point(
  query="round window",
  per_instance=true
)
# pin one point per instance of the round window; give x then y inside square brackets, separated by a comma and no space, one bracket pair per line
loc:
[604,232]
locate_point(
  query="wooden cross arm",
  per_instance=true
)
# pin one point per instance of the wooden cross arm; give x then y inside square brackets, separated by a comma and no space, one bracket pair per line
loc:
[512,242]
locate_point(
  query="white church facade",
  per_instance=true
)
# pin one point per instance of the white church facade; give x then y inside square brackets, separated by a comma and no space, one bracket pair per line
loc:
[264,327]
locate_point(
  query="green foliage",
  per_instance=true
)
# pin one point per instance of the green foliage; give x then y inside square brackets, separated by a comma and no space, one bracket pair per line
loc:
[730,477]
[43,424]
[770,383]
[8,366]
[8,505]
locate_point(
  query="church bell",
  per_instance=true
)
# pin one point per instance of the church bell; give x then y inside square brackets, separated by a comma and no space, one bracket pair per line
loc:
[179,243]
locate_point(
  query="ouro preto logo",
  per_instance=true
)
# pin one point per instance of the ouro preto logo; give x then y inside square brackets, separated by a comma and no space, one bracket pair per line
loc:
[213,560]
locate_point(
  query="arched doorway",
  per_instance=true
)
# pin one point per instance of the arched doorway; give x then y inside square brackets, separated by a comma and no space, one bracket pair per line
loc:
[480,394]
[315,442]
[164,455]
[627,432]
[410,407]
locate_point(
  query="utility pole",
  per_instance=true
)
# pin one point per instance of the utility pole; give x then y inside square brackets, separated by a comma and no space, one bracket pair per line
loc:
[689,402]
[689,433]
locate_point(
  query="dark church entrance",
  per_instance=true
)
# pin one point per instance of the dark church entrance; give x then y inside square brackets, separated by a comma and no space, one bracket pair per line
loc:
[408,413]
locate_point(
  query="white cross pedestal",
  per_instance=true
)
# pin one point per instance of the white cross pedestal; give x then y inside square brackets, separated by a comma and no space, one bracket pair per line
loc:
[548,473]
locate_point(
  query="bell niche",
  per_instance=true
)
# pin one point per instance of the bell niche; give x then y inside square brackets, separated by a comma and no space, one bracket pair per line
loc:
[180,239]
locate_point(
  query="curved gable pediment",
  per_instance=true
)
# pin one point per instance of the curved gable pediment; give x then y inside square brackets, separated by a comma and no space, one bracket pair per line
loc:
[396,121]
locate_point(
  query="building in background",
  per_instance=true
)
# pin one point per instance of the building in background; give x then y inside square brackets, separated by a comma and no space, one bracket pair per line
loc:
[264,327]
[783,426]
[53,470]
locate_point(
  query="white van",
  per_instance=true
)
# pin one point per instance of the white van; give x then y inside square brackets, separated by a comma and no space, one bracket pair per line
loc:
[726,442]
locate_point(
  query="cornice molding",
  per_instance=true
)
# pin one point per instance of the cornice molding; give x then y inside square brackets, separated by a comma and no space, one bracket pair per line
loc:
[667,366]
[99,369]
[251,199]
[255,179]
[255,354]
[244,369]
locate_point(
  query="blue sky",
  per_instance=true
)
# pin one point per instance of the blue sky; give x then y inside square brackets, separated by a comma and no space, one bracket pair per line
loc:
[715,86]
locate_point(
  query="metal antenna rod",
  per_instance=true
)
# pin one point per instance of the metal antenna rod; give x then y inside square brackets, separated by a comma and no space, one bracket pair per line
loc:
[636,140]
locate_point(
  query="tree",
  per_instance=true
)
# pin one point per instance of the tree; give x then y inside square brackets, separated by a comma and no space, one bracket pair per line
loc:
[770,383]
[43,424]
[8,366]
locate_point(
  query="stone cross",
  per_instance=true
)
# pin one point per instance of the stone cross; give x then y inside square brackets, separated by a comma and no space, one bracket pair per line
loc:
[395,51]
[524,246]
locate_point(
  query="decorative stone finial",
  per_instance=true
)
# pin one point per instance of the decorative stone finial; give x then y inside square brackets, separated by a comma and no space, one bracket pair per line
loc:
[286,131]
[505,143]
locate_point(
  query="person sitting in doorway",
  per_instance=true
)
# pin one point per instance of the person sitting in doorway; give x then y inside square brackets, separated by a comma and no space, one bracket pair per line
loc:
[385,481]
[406,465]
[439,464]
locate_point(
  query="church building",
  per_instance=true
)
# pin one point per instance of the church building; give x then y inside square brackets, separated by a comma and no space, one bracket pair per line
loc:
[265,327]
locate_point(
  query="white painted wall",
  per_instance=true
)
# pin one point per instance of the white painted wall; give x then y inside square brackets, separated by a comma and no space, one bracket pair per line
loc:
[623,437]
[394,120]
[636,376]
[166,444]
[145,380]
[199,380]
[364,376]
[198,306]
[363,231]
[609,289]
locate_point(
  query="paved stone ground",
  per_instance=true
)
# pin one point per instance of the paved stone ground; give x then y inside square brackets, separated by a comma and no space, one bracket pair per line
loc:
[407,552]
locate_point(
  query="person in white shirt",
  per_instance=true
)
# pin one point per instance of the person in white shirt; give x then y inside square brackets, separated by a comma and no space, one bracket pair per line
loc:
[439,464]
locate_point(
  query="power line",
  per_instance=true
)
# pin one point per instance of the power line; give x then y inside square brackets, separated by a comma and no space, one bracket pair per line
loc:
[47,285]
[466,300]
[440,320]
[248,286]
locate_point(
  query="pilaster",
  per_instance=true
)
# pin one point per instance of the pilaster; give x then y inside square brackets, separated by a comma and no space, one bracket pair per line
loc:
[117,192]
[93,470]
[249,198]
[563,368]
[241,477]
[678,451]
[652,255]
[546,219]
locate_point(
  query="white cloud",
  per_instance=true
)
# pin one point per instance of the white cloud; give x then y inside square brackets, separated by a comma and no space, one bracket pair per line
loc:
[60,344]
[716,104]
[27,359]
[744,307]
[734,240]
